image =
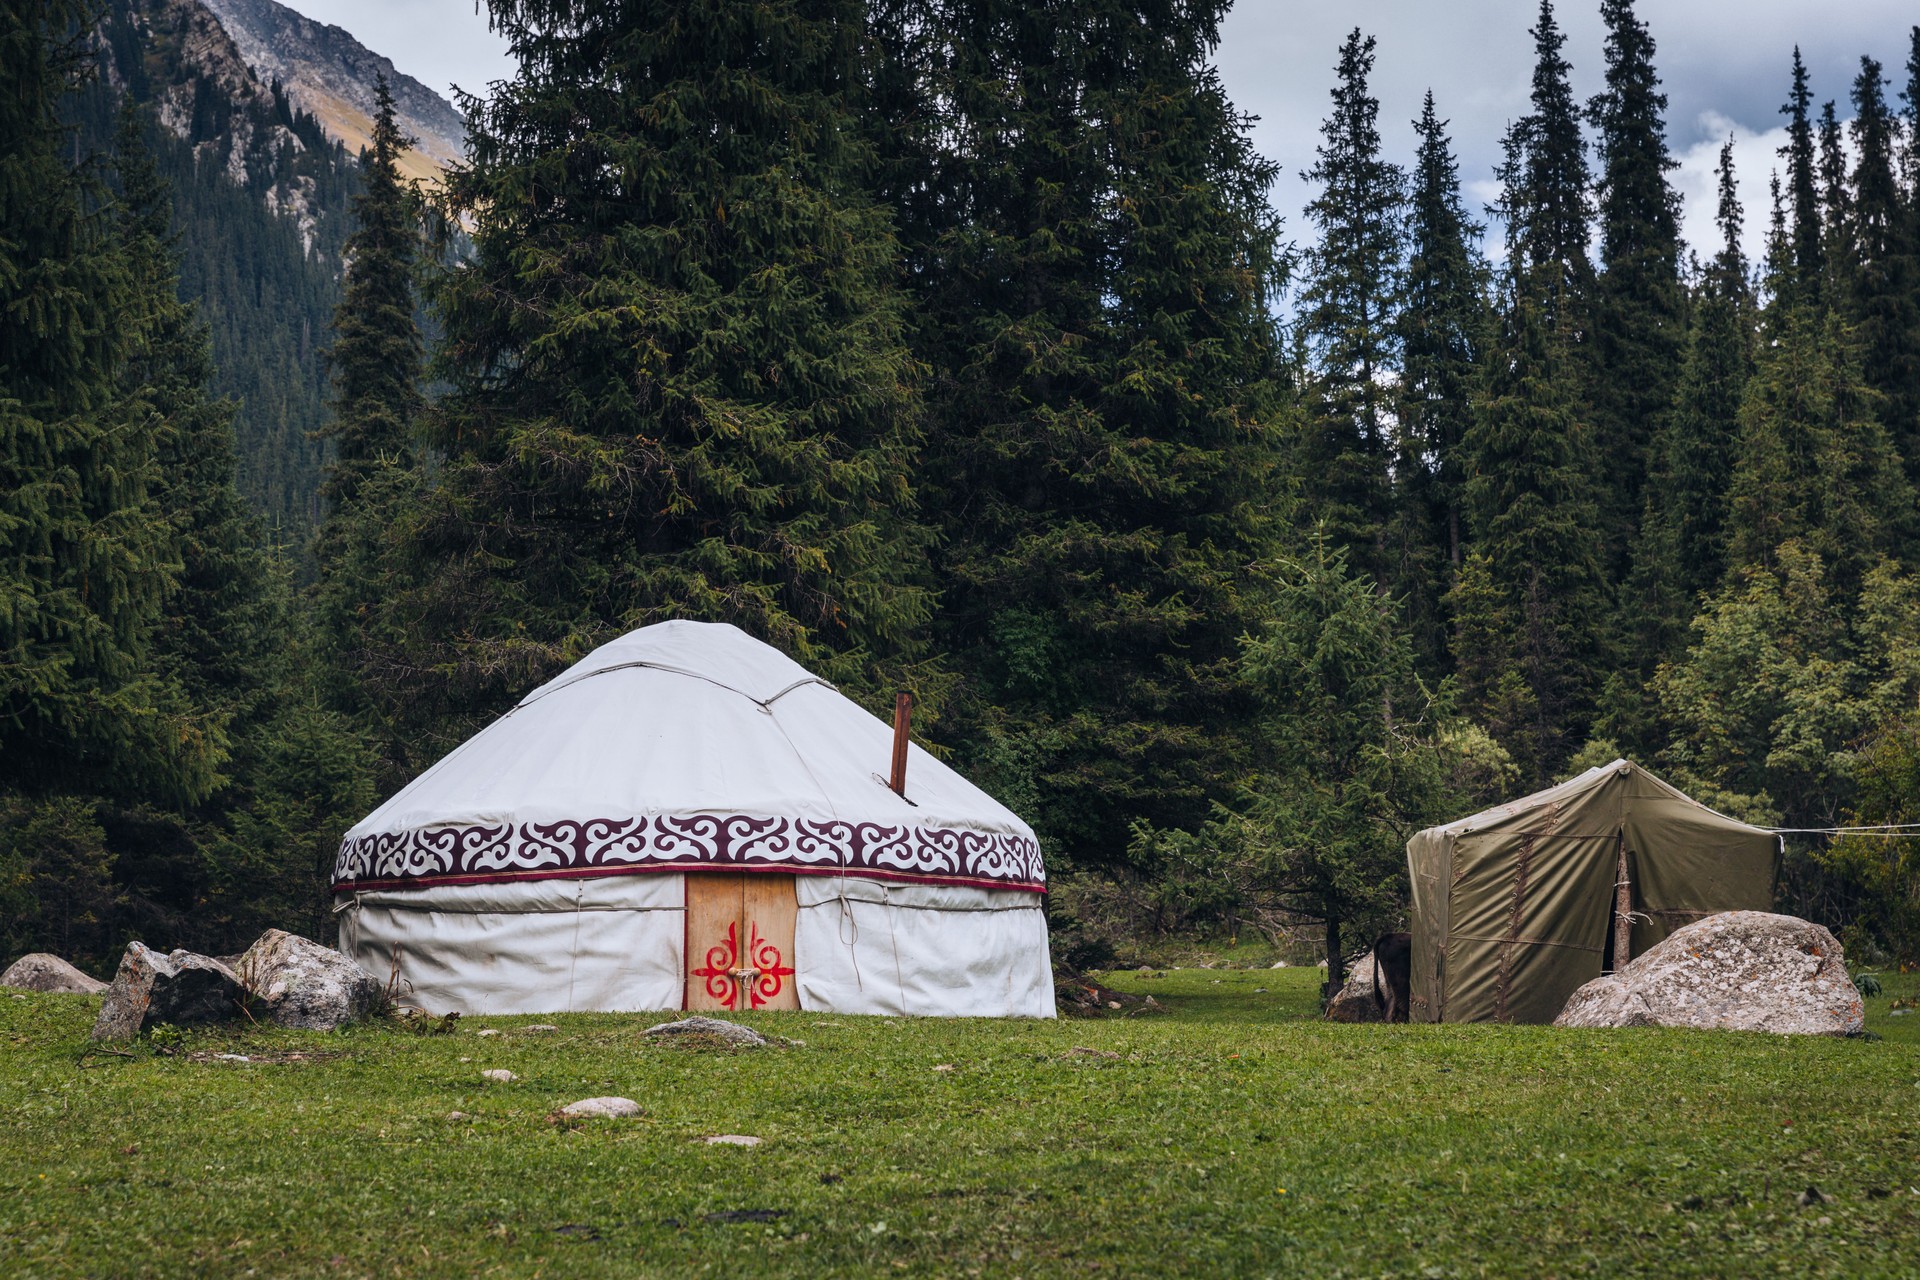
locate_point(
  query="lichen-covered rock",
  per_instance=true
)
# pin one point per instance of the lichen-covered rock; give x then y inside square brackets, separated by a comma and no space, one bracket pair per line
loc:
[732,1032]
[43,972]
[1355,1001]
[181,988]
[303,984]
[1738,971]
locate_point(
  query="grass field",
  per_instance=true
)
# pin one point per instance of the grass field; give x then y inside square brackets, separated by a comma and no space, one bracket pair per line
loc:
[1234,1135]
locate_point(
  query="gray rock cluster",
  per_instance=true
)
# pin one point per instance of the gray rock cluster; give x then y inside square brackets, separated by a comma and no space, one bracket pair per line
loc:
[180,988]
[1738,971]
[282,978]
[1355,1001]
[303,984]
[42,972]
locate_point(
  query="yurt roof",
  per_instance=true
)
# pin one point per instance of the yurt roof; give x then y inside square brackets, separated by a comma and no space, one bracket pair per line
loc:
[685,746]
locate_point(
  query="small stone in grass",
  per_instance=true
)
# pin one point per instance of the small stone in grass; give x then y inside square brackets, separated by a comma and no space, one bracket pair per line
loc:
[458,1115]
[610,1107]
[944,1066]
[733,1140]
[488,1031]
[233,1057]
[500,1075]
[541,1026]
[732,1032]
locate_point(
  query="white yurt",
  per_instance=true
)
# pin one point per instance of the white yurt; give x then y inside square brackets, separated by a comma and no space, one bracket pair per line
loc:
[689,819]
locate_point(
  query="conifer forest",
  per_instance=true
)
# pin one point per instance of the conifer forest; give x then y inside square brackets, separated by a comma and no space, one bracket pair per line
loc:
[956,347]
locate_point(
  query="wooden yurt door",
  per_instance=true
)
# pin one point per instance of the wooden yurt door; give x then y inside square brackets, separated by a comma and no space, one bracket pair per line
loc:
[740,941]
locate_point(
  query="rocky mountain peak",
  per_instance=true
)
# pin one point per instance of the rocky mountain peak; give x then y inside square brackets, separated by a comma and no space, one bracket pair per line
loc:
[330,75]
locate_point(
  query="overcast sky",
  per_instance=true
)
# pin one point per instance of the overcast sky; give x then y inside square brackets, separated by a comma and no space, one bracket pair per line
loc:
[1724,63]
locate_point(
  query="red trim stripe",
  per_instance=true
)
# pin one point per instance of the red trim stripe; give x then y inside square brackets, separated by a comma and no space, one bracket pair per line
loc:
[346,887]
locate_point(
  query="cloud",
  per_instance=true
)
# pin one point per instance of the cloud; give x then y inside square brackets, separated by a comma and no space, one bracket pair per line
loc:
[1724,64]
[1756,156]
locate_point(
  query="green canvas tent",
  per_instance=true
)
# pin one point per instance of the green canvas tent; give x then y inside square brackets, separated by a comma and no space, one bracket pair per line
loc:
[1514,908]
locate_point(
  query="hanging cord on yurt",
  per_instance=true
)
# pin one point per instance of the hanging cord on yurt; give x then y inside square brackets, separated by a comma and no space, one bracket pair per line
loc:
[573,952]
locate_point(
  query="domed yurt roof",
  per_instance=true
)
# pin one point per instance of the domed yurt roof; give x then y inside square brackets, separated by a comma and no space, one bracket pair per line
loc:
[686,746]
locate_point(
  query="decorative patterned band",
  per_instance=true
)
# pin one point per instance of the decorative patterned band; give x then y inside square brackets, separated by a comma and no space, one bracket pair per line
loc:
[701,841]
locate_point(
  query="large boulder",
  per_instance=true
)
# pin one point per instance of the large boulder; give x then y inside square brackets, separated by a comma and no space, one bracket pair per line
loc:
[1355,1001]
[43,972]
[180,988]
[302,984]
[1739,971]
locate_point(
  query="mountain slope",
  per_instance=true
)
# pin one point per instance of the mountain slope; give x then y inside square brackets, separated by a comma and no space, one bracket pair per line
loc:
[261,200]
[330,75]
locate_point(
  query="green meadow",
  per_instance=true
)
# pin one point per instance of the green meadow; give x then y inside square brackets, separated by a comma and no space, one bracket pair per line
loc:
[1234,1134]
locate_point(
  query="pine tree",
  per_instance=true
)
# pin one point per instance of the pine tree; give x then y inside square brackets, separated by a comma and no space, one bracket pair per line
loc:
[1531,640]
[1882,282]
[1352,734]
[375,362]
[1807,239]
[221,631]
[1681,553]
[1815,466]
[1348,300]
[1093,273]
[677,385]
[1639,320]
[1545,183]
[1910,118]
[1530,609]
[376,353]
[86,556]
[1443,327]
[1836,206]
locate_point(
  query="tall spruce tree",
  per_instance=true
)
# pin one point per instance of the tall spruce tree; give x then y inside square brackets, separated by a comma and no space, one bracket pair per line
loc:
[1836,206]
[375,362]
[376,353]
[1681,552]
[1639,319]
[1531,638]
[1349,296]
[1444,326]
[1545,184]
[86,554]
[677,384]
[1882,283]
[1910,119]
[1093,272]
[1808,256]
[1532,641]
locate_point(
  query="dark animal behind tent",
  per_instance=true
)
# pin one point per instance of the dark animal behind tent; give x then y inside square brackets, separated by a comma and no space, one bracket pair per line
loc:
[1513,907]
[1393,975]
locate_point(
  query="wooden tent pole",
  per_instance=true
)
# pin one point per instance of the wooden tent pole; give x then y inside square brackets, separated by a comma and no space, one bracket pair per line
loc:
[902,717]
[1622,905]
